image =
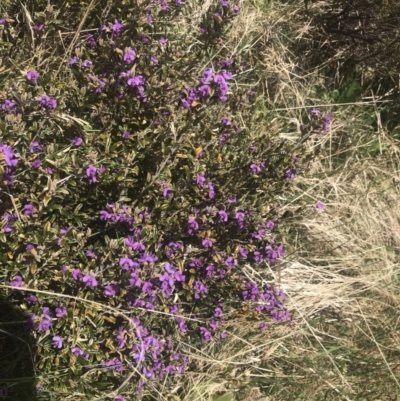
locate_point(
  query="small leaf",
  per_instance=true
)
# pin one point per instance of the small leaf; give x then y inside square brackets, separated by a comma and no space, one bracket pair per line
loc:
[223,397]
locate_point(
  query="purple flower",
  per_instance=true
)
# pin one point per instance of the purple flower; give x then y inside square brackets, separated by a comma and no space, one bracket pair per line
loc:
[77,141]
[117,28]
[263,326]
[64,230]
[214,324]
[60,312]
[230,262]
[207,76]
[100,85]
[169,268]
[90,40]
[36,163]
[126,263]
[205,333]
[126,135]
[270,225]
[29,209]
[76,274]
[47,102]
[46,313]
[147,287]
[89,280]
[154,59]
[259,234]
[196,262]
[226,121]
[224,3]
[163,41]
[91,174]
[111,290]
[258,257]
[255,168]
[200,289]
[218,312]
[273,254]
[210,271]
[290,174]
[173,309]
[90,253]
[73,60]
[135,280]
[207,243]
[166,278]
[77,351]
[148,258]
[119,398]
[181,324]
[57,342]
[45,325]
[38,25]
[179,276]
[327,122]
[167,192]
[170,369]
[7,228]
[243,252]
[223,215]
[9,216]
[226,63]
[149,373]
[32,75]
[136,246]
[31,299]
[129,55]
[204,90]
[9,106]
[319,205]
[224,137]
[35,147]
[136,81]
[8,155]
[200,179]
[87,64]
[193,225]
[16,282]
[236,9]
[315,111]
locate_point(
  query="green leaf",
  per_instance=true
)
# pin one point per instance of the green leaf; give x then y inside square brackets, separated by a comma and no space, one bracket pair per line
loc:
[351,94]
[223,397]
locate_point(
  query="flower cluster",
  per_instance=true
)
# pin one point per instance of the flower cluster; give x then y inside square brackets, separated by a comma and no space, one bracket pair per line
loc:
[47,102]
[269,300]
[9,106]
[210,83]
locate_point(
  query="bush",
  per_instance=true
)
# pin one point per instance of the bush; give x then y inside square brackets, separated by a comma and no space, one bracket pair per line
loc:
[132,194]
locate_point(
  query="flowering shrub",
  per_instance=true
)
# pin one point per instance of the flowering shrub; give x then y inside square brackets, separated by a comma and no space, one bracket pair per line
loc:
[134,193]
